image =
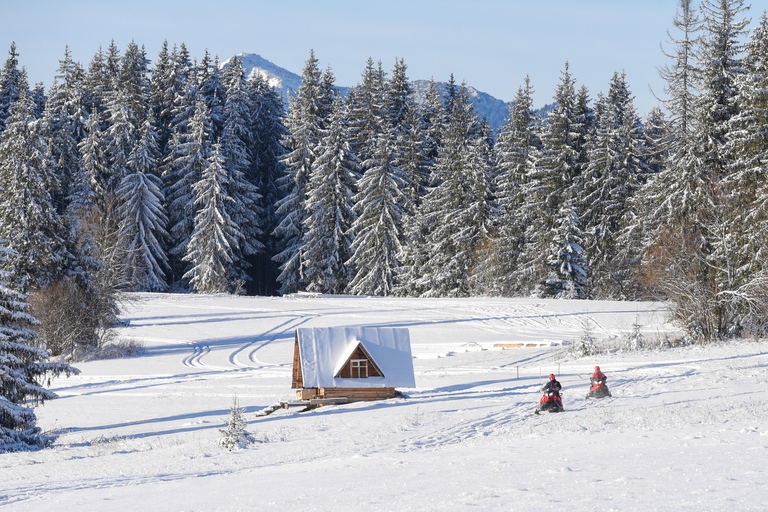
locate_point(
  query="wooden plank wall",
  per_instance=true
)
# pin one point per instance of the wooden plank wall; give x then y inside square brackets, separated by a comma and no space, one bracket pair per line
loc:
[298,381]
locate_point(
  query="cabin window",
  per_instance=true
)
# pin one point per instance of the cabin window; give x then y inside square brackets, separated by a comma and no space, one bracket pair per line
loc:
[358,368]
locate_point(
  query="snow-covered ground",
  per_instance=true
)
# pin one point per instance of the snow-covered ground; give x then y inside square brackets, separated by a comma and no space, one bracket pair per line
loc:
[685,430]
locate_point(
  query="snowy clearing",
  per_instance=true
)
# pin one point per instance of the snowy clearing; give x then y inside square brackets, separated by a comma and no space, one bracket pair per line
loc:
[685,429]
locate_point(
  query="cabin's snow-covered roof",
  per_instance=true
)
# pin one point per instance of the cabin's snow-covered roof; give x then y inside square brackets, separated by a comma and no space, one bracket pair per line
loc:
[324,349]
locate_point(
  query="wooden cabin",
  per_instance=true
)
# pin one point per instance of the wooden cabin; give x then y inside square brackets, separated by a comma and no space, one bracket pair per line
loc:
[356,363]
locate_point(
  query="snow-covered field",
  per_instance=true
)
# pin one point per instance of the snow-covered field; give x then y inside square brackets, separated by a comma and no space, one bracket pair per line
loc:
[685,430]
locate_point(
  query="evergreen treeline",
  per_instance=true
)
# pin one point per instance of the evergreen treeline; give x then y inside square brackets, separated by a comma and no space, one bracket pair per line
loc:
[190,176]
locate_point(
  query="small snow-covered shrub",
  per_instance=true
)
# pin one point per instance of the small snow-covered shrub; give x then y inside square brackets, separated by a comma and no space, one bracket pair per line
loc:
[234,436]
[635,339]
[586,345]
[279,435]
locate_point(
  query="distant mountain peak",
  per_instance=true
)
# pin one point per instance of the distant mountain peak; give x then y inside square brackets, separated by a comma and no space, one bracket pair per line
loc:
[277,77]
[494,110]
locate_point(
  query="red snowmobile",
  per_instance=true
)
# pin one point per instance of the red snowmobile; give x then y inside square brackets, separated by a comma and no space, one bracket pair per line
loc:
[598,389]
[551,401]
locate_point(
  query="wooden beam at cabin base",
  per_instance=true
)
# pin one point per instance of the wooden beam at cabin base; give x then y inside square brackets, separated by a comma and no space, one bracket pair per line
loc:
[351,394]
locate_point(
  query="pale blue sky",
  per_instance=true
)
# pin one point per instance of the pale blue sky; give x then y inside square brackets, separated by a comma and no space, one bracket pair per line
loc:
[490,44]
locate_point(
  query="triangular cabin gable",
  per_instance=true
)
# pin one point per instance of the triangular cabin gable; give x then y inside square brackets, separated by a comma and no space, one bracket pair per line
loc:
[359,365]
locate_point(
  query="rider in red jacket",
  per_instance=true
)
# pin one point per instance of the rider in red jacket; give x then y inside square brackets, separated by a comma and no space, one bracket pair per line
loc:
[598,375]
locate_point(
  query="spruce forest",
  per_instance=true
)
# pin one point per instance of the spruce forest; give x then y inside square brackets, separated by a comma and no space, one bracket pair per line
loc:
[182,175]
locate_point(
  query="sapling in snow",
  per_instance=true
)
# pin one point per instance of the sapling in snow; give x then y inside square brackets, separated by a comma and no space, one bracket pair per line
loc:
[635,341]
[586,344]
[234,436]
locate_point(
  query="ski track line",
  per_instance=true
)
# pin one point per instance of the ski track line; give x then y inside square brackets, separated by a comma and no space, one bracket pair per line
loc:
[486,425]
[201,350]
[275,333]
[209,307]
[196,359]
[271,335]
[30,492]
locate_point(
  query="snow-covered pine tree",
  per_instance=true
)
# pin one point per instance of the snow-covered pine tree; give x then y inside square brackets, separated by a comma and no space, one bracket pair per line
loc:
[584,127]
[515,148]
[413,160]
[235,142]
[568,278]
[126,107]
[668,196]
[327,96]
[96,83]
[234,435]
[120,136]
[721,65]
[412,157]
[614,174]
[432,115]
[133,79]
[212,91]
[427,135]
[169,77]
[556,170]
[189,150]
[213,244]
[328,234]
[657,138]
[12,82]
[682,74]
[696,257]
[39,98]
[89,188]
[749,143]
[380,206]
[267,125]
[367,111]
[304,124]
[408,127]
[699,157]
[482,210]
[712,165]
[448,99]
[747,186]
[24,368]
[112,65]
[457,207]
[142,215]
[29,222]
[398,92]
[65,119]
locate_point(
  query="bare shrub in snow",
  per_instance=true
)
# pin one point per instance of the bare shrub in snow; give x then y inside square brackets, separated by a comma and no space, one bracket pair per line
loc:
[117,349]
[708,305]
[71,317]
[281,435]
